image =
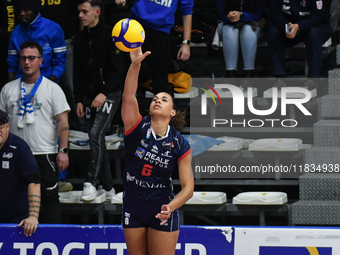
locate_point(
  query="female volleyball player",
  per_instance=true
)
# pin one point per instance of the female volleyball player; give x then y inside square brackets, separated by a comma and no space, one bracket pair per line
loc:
[153,149]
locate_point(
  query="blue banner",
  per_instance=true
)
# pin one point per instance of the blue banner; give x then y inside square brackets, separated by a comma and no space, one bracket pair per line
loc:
[108,239]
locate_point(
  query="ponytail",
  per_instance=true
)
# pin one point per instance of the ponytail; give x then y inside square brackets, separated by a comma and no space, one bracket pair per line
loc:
[178,121]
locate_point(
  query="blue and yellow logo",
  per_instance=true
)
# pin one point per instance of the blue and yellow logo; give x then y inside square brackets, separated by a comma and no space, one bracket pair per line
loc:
[295,250]
[140,152]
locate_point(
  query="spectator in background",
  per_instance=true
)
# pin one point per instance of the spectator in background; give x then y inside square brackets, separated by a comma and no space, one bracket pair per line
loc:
[3,57]
[45,32]
[98,77]
[65,14]
[242,24]
[19,181]
[157,18]
[8,20]
[8,15]
[38,113]
[307,21]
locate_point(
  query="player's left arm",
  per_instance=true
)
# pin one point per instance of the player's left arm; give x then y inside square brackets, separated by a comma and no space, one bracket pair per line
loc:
[186,178]
[63,134]
[184,51]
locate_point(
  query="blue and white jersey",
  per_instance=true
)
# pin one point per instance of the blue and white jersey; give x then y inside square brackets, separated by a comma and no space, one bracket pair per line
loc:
[151,160]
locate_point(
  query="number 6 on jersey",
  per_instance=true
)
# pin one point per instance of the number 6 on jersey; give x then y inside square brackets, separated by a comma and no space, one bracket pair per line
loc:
[147,169]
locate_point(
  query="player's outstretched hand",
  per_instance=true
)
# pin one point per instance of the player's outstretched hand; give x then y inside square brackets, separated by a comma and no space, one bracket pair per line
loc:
[137,56]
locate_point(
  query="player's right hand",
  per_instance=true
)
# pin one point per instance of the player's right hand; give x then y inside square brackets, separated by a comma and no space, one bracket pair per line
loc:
[137,55]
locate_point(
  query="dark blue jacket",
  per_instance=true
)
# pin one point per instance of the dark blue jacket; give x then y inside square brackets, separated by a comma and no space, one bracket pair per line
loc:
[18,168]
[306,13]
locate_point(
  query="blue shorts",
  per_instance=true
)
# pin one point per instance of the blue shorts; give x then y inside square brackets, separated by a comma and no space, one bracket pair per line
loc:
[141,214]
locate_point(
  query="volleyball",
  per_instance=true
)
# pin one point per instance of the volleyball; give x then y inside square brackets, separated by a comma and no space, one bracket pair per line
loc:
[128,35]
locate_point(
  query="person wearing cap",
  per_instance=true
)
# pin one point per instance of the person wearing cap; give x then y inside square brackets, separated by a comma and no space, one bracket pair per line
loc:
[19,181]
[38,113]
[47,33]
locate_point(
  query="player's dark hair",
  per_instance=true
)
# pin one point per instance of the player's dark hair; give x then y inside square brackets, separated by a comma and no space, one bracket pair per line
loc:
[178,121]
[32,45]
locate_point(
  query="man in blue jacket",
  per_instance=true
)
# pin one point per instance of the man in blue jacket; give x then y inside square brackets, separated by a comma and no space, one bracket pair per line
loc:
[47,33]
[295,21]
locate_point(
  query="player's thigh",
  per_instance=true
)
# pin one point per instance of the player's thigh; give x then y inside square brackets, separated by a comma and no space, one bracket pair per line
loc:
[161,242]
[136,241]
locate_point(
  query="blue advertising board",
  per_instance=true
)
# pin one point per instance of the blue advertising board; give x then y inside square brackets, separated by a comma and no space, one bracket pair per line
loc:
[106,239]
[193,240]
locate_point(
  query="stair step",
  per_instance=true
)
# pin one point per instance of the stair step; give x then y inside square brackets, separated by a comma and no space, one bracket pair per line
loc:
[326,133]
[316,213]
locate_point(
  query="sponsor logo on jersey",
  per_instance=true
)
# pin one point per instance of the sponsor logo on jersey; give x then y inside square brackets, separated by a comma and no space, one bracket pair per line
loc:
[154,149]
[145,184]
[177,141]
[140,152]
[144,144]
[168,146]
[145,124]
[156,160]
[148,133]
[129,177]
[167,154]
[7,155]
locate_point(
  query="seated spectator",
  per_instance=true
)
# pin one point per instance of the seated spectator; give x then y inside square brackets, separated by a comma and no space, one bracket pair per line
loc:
[19,181]
[241,23]
[306,21]
[47,33]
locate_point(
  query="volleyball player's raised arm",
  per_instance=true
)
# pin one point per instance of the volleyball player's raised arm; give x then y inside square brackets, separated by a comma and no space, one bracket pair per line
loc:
[130,109]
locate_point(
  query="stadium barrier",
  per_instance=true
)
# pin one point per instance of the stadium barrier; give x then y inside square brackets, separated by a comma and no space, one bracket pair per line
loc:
[193,240]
